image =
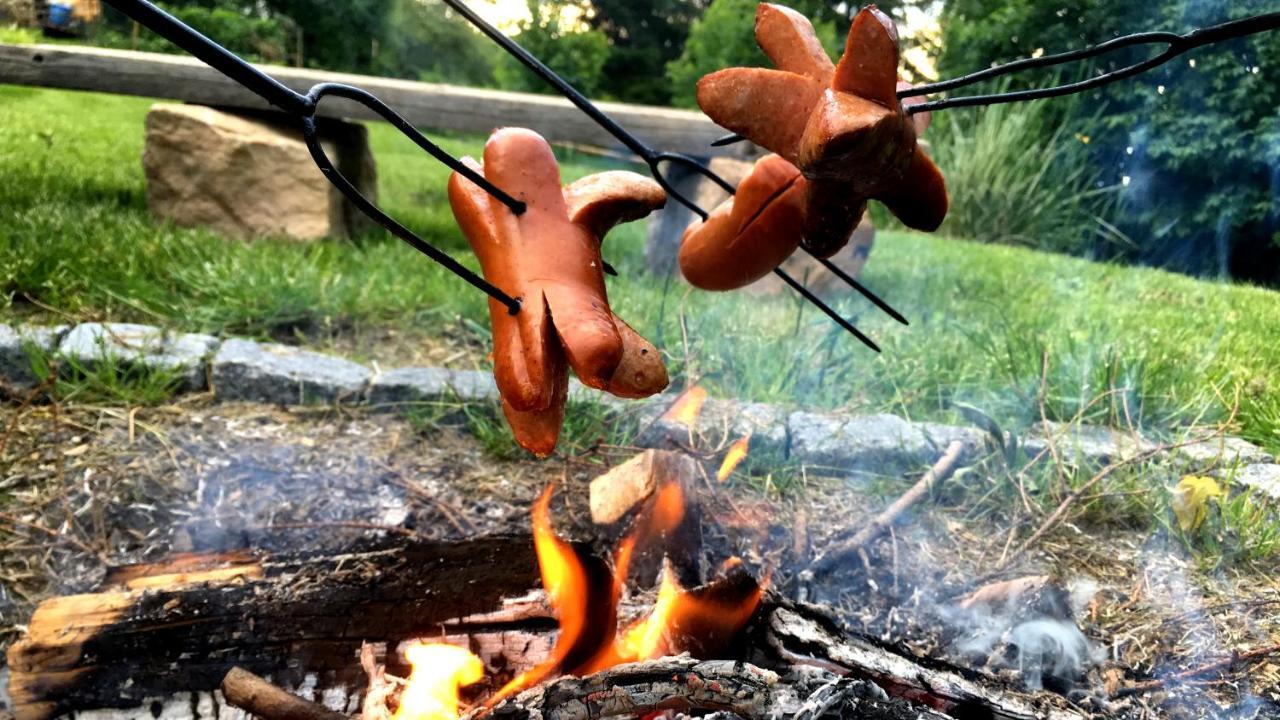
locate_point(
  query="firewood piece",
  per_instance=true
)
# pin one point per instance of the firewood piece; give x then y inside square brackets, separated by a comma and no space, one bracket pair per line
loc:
[119,647]
[625,487]
[804,636]
[262,699]
[940,471]
[641,689]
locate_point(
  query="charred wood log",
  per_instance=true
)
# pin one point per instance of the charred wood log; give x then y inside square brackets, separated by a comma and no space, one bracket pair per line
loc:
[641,689]
[803,635]
[184,627]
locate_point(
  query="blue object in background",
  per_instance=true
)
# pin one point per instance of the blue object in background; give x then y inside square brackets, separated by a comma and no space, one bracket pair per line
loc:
[59,15]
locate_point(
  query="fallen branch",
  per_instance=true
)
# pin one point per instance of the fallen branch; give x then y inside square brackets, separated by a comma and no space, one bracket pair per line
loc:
[940,471]
[258,697]
[1193,673]
[641,689]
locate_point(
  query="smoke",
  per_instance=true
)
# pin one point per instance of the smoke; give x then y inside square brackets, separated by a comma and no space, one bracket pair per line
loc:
[1031,632]
[1050,649]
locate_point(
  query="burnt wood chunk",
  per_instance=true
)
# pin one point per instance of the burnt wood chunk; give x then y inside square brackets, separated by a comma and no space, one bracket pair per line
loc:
[183,628]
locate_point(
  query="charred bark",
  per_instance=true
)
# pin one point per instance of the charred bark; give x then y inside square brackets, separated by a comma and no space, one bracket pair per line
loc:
[803,635]
[184,627]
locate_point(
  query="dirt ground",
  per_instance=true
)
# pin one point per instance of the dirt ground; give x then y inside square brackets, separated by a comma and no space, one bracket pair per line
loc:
[85,488]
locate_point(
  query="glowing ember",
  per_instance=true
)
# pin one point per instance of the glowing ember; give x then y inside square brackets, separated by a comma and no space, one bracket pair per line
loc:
[737,453]
[439,673]
[687,407]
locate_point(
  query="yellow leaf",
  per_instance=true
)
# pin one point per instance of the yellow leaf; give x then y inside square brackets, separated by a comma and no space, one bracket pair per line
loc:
[1191,499]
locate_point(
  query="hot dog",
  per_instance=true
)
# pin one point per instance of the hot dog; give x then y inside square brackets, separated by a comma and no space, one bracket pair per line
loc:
[749,234]
[549,258]
[842,126]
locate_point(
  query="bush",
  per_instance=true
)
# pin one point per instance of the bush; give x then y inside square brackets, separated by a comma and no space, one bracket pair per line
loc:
[725,37]
[1197,138]
[255,37]
[1019,175]
[576,54]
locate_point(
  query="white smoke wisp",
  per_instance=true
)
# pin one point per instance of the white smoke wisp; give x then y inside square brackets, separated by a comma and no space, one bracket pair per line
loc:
[1050,648]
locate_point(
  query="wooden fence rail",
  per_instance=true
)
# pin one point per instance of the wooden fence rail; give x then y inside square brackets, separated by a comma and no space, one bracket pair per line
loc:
[426,105]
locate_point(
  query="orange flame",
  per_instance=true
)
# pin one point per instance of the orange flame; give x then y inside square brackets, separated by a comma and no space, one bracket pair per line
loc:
[439,673]
[686,409]
[569,586]
[736,454]
[679,616]
[585,594]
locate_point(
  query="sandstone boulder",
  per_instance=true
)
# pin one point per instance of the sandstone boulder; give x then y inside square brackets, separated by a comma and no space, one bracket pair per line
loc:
[249,176]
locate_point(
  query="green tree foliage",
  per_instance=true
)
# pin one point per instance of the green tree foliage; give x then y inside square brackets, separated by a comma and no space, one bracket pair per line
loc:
[725,37]
[578,55]
[1198,140]
[426,40]
[254,35]
[644,37]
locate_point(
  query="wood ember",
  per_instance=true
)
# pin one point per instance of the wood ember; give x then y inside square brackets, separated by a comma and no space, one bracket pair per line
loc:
[118,647]
[627,493]
[639,689]
[626,487]
[260,698]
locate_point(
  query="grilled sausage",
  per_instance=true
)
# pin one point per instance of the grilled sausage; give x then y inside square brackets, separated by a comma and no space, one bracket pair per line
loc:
[747,235]
[843,127]
[549,258]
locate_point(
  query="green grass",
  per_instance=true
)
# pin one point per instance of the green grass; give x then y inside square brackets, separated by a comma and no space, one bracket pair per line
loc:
[1165,349]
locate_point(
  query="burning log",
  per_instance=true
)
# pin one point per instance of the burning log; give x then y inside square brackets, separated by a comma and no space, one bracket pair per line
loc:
[626,487]
[941,470]
[260,698]
[183,628]
[655,489]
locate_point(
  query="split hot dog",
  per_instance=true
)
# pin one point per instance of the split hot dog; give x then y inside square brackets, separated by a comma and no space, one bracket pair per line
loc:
[549,258]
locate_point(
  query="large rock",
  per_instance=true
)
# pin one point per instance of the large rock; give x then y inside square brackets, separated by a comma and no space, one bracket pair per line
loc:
[1225,451]
[182,354]
[22,346]
[879,444]
[251,175]
[244,370]
[1086,445]
[720,423]
[419,384]
[667,226]
[1265,478]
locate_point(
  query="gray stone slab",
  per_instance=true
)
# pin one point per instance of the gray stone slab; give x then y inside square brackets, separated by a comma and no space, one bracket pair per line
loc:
[880,444]
[140,345]
[16,346]
[1087,445]
[263,372]
[720,422]
[941,436]
[1264,478]
[1223,452]
[417,384]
